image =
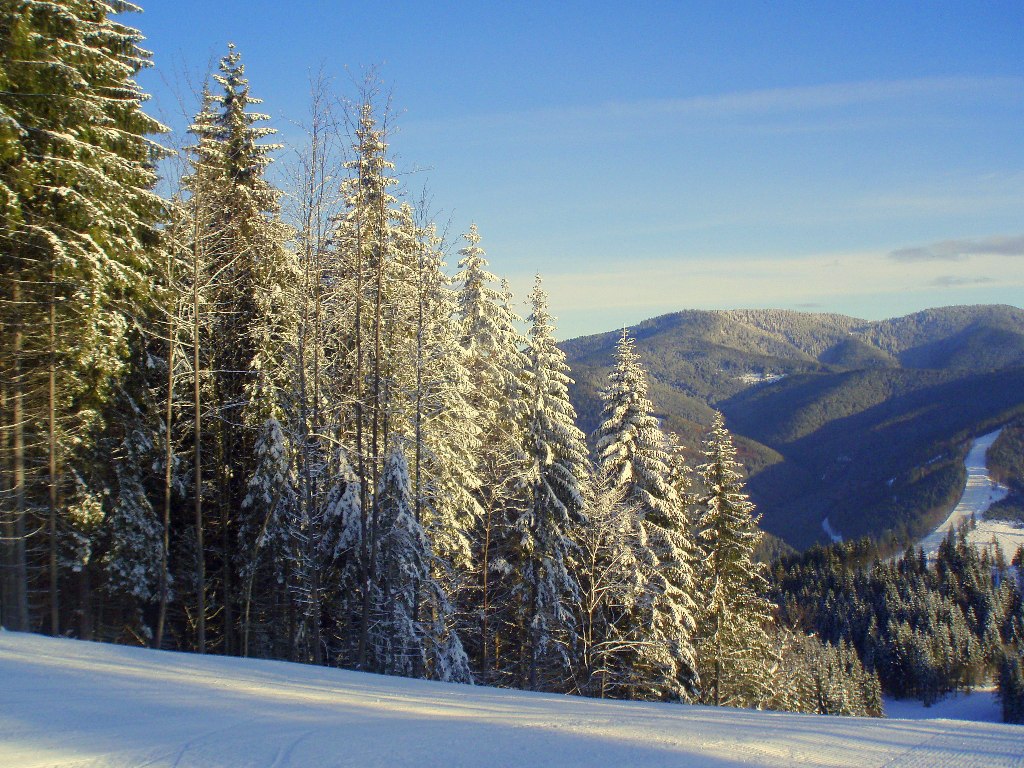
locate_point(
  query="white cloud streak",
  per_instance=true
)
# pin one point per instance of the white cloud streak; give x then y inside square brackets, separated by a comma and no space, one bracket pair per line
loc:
[765,102]
[960,250]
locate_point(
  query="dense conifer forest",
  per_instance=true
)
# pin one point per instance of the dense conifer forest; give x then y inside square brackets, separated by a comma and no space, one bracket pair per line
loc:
[299,423]
[927,628]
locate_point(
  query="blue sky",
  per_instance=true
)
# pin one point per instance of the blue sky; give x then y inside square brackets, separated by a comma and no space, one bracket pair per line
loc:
[862,157]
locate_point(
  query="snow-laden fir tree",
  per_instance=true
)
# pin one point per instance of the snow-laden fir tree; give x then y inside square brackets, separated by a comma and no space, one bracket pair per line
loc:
[612,592]
[495,363]
[132,559]
[362,276]
[542,532]
[399,640]
[397,355]
[266,533]
[250,322]
[429,408]
[632,454]
[733,648]
[78,218]
[437,392]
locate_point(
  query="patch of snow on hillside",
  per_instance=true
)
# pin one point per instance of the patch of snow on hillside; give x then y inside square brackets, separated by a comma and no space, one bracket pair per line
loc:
[831,532]
[751,379]
[70,703]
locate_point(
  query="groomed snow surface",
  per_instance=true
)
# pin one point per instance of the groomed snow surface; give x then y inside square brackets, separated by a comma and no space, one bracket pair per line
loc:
[74,704]
[980,492]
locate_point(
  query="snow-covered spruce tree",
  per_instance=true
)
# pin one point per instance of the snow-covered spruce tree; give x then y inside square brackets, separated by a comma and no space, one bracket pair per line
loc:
[77,221]
[443,419]
[250,321]
[396,355]
[338,554]
[733,647]
[270,504]
[399,639]
[632,455]
[541,535]
[612,591]
[1010,679]
[129,451]
[495,364]
[443,439]
[359,278]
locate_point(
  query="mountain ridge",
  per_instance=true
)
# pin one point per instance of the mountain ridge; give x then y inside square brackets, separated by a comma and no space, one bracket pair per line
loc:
[823,405]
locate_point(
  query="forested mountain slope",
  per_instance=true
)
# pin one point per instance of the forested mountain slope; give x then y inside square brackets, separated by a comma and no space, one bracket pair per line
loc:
[858,421]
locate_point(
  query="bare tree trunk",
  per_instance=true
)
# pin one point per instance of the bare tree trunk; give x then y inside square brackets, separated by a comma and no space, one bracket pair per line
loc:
[165,542]
[364,511]
[85,627]
[718,659]
[198,441]
[247,605]
[224,486]
[485,612]
[417,483]
[21,621]
[8,585]
[52,450]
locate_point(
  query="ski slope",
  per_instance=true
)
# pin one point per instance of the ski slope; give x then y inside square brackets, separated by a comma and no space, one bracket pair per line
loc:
[72,704]
[980,492]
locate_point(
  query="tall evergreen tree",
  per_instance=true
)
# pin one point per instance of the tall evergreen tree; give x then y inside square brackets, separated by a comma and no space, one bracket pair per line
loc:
[401,642]
[541,534]
[495,363]
[733,648]
[632,454]
[613,592]
[77,225]
[249,317]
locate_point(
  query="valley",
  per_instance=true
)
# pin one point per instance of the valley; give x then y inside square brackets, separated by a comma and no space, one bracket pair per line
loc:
[865,424]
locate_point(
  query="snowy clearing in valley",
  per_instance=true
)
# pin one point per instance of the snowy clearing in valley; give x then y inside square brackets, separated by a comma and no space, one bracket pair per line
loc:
[980,493]
[71,703]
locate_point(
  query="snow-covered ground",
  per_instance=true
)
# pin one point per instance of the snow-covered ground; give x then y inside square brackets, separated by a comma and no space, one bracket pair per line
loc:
[980,492]
[981,705]
[74,704]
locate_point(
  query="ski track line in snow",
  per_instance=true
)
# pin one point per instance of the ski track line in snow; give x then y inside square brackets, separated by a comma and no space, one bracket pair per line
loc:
[75,704]
[980,492]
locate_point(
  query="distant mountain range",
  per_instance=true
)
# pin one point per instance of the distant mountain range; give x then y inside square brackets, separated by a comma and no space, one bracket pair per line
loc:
[860,423]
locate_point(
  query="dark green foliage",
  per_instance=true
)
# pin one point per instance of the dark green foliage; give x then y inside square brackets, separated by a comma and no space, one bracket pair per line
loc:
[1005,460]
[79,225]
[1011,688]
[926,628]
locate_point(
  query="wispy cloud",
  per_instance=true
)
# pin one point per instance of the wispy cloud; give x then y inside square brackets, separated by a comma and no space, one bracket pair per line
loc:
[958,250]
[960,281]
[647,114]
[828,96]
